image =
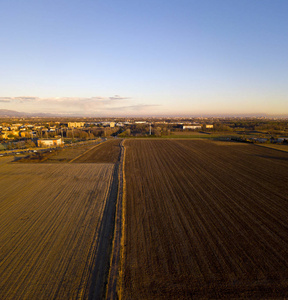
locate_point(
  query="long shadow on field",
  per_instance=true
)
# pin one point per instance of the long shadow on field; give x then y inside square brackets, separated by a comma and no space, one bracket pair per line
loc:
[273,157]
[102,260]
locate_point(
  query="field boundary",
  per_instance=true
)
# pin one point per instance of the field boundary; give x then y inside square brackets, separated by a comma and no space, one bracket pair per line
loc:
[114,290]
[102,257]
[122,245]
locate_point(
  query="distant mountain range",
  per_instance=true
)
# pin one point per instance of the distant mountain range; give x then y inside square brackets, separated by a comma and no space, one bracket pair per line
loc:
[6,113]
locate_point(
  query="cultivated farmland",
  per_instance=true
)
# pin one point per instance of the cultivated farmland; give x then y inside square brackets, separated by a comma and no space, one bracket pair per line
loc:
[205,219]
[51,220]
[107,152]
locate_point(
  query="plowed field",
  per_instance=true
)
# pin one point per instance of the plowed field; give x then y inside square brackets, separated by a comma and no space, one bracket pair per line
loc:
[107,152]
[98,152]
[205,219]
[50,219]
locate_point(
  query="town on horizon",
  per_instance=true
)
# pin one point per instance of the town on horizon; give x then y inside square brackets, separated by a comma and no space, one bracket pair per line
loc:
[29,132]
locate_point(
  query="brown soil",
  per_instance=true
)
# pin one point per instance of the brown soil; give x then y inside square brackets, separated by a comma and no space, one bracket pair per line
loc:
[107,152]
[205,221]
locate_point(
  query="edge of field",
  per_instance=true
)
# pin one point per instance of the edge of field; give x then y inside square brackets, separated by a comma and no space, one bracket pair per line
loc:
[122,245]
[114,285]
[282,148]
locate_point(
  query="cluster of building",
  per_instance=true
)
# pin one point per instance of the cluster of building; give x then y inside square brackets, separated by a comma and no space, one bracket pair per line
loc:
[9,131]
[50,134]
[197,126]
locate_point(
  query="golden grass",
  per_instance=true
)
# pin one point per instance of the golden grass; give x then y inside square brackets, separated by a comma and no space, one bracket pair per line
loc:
[275,146]
[49,218]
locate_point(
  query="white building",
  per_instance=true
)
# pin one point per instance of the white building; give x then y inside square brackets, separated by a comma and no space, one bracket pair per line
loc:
[192,127]
[76,124]
[49,142]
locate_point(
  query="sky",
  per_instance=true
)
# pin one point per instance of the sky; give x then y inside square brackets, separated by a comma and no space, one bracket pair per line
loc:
[144,58]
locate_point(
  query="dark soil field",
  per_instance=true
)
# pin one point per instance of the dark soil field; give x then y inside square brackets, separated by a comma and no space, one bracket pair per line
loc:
[107,152]
[205,219]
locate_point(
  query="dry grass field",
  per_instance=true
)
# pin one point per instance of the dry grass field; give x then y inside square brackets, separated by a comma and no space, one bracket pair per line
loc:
[205,220]
[276,147]
[50,217]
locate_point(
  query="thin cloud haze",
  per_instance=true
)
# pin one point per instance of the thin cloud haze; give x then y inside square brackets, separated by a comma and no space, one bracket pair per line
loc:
[138,107]
[92,106]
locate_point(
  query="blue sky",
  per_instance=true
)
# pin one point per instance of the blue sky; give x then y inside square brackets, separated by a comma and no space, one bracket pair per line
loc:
[153,57]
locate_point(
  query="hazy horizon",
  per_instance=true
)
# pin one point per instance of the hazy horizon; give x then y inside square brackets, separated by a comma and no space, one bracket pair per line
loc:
[154,58]
[141,116]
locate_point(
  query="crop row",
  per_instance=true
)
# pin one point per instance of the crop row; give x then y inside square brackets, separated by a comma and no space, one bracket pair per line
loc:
[50,217]
[205,220]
